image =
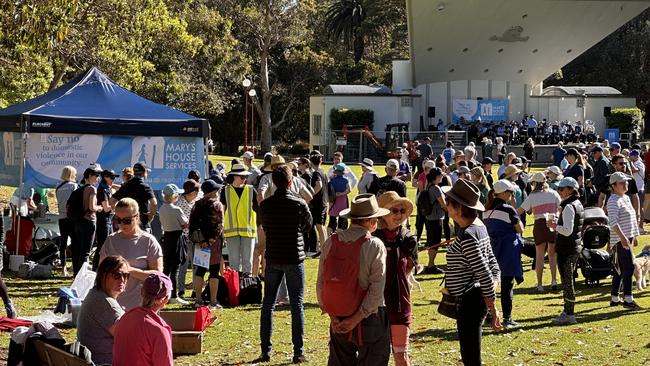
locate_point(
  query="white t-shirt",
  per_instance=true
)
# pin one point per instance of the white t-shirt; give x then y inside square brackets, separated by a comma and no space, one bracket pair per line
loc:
[639,176]
[540,203]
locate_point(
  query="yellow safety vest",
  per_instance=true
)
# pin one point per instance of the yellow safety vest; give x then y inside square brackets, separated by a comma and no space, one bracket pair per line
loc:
[240,219]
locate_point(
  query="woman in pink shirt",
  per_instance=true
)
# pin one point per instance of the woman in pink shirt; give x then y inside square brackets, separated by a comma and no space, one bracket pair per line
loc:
[543,203]
[142,337]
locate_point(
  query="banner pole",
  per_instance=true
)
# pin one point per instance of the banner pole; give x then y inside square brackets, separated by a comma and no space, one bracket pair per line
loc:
[21,185]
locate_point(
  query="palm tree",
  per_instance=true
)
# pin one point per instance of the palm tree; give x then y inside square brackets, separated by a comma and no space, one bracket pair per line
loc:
[343,20]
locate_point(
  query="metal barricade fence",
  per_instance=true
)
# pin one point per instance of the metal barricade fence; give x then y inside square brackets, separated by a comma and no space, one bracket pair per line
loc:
[377,145]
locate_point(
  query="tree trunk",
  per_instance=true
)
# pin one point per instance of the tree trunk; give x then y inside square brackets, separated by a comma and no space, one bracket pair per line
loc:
[58,75]
[358,46]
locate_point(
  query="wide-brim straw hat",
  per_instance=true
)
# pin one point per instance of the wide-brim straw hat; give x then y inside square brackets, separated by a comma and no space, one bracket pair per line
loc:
[364,206]
[466,193]
[277,160]
[239,169]
[392,199]
[511,170]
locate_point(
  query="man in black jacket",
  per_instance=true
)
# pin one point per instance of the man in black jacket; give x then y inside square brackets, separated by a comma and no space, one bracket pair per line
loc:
[285,219]
[389,182]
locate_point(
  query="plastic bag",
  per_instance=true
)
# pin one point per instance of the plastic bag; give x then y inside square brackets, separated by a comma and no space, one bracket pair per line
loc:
[202,319]
[83,281]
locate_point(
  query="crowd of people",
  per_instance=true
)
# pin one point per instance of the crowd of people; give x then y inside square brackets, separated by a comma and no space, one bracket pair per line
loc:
[272,217]
[516,132]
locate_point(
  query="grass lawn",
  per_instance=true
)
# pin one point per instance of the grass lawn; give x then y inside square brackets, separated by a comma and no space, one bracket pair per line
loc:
[603,335]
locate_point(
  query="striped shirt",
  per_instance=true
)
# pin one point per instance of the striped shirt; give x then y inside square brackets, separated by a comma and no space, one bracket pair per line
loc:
[621,212]
[542,202]
[470,260]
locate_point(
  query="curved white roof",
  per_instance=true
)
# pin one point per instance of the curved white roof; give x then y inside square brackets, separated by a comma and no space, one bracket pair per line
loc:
[515,40]
[356,89]
[580,90]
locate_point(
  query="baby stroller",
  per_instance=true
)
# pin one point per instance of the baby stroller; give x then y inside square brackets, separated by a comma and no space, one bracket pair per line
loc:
[594,262]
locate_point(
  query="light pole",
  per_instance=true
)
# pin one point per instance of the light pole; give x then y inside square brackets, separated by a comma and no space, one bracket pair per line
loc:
[246,83]
[252,93]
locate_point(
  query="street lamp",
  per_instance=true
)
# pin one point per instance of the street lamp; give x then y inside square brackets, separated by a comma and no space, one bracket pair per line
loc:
[246,83]
[252,93]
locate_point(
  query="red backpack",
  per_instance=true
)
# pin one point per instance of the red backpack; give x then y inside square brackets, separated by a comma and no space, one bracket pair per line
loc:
[341,294]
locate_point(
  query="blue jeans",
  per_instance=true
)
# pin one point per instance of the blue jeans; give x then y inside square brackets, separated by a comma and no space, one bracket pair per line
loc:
[295,274]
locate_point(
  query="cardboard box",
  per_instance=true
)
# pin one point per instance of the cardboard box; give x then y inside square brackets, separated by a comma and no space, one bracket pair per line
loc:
[185,340]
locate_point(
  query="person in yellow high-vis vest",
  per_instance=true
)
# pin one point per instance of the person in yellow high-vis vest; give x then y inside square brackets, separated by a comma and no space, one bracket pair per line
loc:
[240,226]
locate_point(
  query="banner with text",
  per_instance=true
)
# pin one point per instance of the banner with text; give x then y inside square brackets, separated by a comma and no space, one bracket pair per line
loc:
[169,158]
[491,110]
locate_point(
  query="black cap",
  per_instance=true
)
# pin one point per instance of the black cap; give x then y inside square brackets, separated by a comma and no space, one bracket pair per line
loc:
[210,186]
[315,153]
[597,149]
[572,151]
[523,159]
[140,168]
[190,186]
[487,160]
[108,173]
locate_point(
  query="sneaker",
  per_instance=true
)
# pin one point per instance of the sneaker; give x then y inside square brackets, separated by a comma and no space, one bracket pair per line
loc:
[198,304]
[264,357]
[632,305]
[178,300]
[510,324]
[540,288]
[215,305]
[299,359]
[553,286]
[614,303]
[11,310]
[564,319]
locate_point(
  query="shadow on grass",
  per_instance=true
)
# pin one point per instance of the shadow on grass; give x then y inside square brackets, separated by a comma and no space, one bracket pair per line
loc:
[258,307]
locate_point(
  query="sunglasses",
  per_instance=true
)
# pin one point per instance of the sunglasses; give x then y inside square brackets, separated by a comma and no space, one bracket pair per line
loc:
[396,211]
[124,221]
[120,275]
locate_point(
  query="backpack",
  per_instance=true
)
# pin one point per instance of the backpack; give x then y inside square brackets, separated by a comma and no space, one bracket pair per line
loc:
[423,203]
[75,205]
[341,294]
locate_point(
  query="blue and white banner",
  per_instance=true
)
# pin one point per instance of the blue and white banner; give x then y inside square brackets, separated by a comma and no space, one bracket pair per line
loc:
[611,135]
[490,110]
[169,158]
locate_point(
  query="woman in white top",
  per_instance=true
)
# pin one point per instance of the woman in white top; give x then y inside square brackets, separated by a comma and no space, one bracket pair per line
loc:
[623,234]
[507,161]
[542,203]
[368,176]
[66,226]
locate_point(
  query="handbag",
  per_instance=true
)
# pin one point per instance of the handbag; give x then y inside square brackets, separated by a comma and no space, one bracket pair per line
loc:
[449,304]
[197,237]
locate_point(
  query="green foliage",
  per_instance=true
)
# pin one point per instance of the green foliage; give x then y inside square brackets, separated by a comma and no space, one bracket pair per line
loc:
[625,119]
[351,117]
[621,60]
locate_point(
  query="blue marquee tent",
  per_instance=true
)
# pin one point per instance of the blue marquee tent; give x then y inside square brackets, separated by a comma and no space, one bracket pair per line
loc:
[92,103]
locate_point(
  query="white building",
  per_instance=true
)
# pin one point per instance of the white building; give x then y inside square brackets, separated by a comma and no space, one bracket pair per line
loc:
[490,56]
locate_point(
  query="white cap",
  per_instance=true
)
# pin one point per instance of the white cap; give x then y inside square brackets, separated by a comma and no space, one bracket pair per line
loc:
[618,177]
[504,185]
[248,155]
[392,163]
[539,177]
[555,170]
[429,164]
